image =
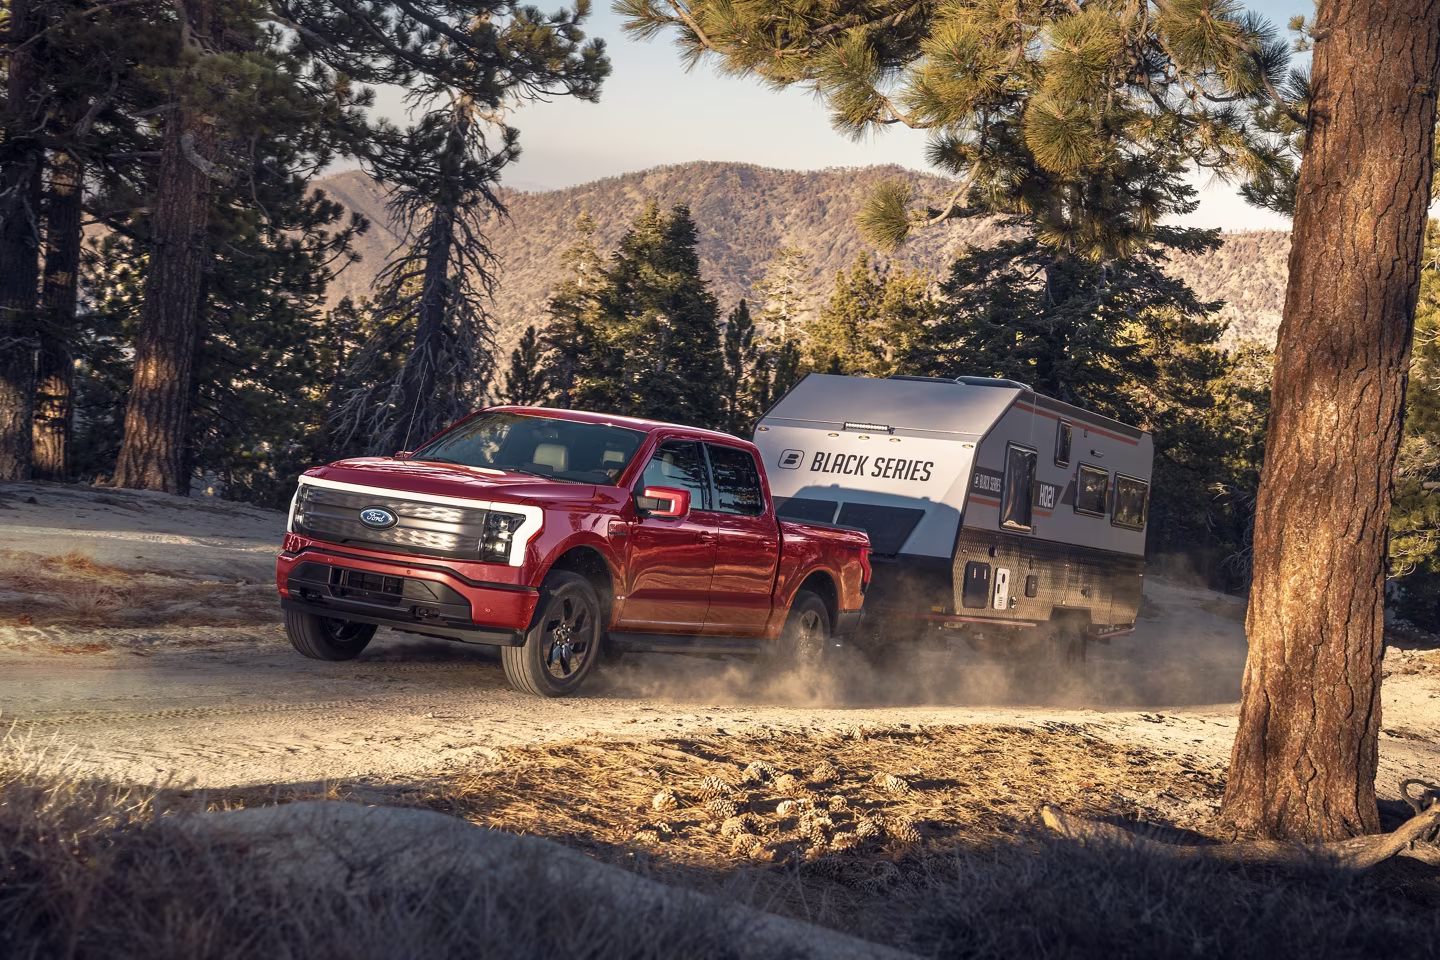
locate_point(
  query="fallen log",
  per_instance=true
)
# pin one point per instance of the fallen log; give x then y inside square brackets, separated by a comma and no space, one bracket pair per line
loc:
[1357,853]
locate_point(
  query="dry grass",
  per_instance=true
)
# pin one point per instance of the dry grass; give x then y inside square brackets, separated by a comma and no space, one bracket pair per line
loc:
[955,866]
[73,590]
[95,870]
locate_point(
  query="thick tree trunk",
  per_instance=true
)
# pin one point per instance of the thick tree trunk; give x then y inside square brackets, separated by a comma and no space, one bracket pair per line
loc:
[55,371]
[1304,761]
[21,160]
[153,453]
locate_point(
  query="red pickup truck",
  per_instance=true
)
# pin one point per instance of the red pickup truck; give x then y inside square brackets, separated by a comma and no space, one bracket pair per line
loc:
[560,535]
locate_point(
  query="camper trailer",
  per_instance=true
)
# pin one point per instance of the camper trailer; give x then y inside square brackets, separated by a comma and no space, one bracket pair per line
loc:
[995,514]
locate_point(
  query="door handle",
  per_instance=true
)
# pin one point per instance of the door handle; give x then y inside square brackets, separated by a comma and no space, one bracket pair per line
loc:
[706,538]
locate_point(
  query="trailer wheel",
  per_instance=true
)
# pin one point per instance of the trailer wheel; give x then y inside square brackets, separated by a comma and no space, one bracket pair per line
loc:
[805,642]
[563,642]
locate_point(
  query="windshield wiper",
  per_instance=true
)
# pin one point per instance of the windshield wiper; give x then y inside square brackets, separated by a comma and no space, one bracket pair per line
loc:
[442,460]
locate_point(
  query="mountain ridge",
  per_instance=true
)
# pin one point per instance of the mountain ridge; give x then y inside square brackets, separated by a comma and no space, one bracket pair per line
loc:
[743,214]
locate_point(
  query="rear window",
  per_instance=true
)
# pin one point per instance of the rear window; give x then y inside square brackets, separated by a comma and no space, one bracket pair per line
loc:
[737,481]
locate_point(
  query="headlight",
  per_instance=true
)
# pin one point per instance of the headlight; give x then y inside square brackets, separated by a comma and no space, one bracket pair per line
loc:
[499,533]
[297,513]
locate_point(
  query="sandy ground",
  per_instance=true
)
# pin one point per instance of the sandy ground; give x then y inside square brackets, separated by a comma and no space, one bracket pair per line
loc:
[222,700]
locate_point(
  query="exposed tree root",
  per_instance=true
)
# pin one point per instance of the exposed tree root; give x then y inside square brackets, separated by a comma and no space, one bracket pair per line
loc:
[1359,853]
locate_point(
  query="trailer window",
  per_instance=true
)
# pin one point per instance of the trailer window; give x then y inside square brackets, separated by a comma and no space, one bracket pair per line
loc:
[736,481]
[1092,490]
[1019,484]
[1131,498]
[1063,432]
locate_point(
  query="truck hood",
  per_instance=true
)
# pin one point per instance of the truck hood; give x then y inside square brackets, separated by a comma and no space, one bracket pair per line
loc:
[446,480]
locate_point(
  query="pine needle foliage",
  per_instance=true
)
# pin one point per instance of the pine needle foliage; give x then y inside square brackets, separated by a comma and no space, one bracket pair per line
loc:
[648,326]
[1077,117]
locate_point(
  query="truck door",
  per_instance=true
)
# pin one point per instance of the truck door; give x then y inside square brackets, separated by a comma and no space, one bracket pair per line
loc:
[671,558]
[749,545]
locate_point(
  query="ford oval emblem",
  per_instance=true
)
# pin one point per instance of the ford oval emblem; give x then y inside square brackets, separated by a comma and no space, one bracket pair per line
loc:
[378,517]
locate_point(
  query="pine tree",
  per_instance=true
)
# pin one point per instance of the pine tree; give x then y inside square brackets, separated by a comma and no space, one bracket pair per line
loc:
[527,382]
[658,327]
[742,359]
[873,322]
[786,294]
[570,336]
[1078,117]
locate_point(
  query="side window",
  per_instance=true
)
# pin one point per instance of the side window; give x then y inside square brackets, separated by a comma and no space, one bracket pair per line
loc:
[1092,490]
[1019,481]
[1063,432]
[737,482]
[677,463]
[1132,496]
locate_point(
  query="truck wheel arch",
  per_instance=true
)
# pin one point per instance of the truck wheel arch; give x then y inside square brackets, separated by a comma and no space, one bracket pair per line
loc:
[591,564]
[822,584]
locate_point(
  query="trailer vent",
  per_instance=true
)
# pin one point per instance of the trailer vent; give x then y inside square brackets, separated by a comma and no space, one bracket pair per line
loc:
[888,527]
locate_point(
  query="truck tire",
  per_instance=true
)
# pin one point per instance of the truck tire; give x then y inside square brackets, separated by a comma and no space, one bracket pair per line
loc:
[326,638]
[563,642]
[804,643]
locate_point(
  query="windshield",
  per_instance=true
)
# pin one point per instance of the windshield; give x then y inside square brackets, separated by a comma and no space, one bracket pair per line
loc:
[559,449]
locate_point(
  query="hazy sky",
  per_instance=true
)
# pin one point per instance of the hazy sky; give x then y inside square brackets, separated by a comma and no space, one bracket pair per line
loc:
[652,112]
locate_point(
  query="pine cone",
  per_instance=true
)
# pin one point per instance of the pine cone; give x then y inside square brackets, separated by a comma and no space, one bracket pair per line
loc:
[759,772]
[890,783]
[844,840]
[738,826]
[902,831]
[712,787]
[722,808]
[824,772]
[868,827]
[664,800]
[838,802]
[788,784]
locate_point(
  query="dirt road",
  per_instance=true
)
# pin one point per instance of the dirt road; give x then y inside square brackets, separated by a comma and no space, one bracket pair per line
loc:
[212,695]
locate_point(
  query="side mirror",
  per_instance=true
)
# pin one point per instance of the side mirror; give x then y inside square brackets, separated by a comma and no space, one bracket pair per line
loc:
[402,454]
[663,502]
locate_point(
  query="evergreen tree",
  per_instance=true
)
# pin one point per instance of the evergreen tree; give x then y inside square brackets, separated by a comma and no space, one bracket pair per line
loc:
[873,322]
[571,337]
[658,327]
[527,382]
[1080,117]
[742,360]
[1414,553]
[786,294]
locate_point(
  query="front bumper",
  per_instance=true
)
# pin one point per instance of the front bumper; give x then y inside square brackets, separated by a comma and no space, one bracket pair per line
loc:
[417,597]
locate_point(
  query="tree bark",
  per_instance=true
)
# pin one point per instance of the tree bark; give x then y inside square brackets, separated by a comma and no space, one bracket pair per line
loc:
[55,370]
[21,160]
[1304,760]
[153,453]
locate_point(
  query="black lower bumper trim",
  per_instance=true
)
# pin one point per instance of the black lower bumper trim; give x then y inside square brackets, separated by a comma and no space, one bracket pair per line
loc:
[448,631]
[677,643]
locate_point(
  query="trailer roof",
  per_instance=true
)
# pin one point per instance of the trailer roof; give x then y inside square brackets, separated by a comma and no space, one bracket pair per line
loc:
[933,406]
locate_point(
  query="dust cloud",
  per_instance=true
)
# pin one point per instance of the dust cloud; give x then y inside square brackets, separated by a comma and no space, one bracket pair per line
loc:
[1188,649]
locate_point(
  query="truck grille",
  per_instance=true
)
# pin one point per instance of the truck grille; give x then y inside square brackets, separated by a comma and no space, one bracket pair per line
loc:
[428,529]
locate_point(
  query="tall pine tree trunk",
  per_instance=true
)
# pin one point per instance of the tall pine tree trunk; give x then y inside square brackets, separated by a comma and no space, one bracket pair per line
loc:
[21,160]
[55,370]
[421,373]
[153,452]
[1304,760]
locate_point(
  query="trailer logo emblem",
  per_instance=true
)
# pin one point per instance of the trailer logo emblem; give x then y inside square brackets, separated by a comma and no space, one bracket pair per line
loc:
[378,517]
[791,459]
